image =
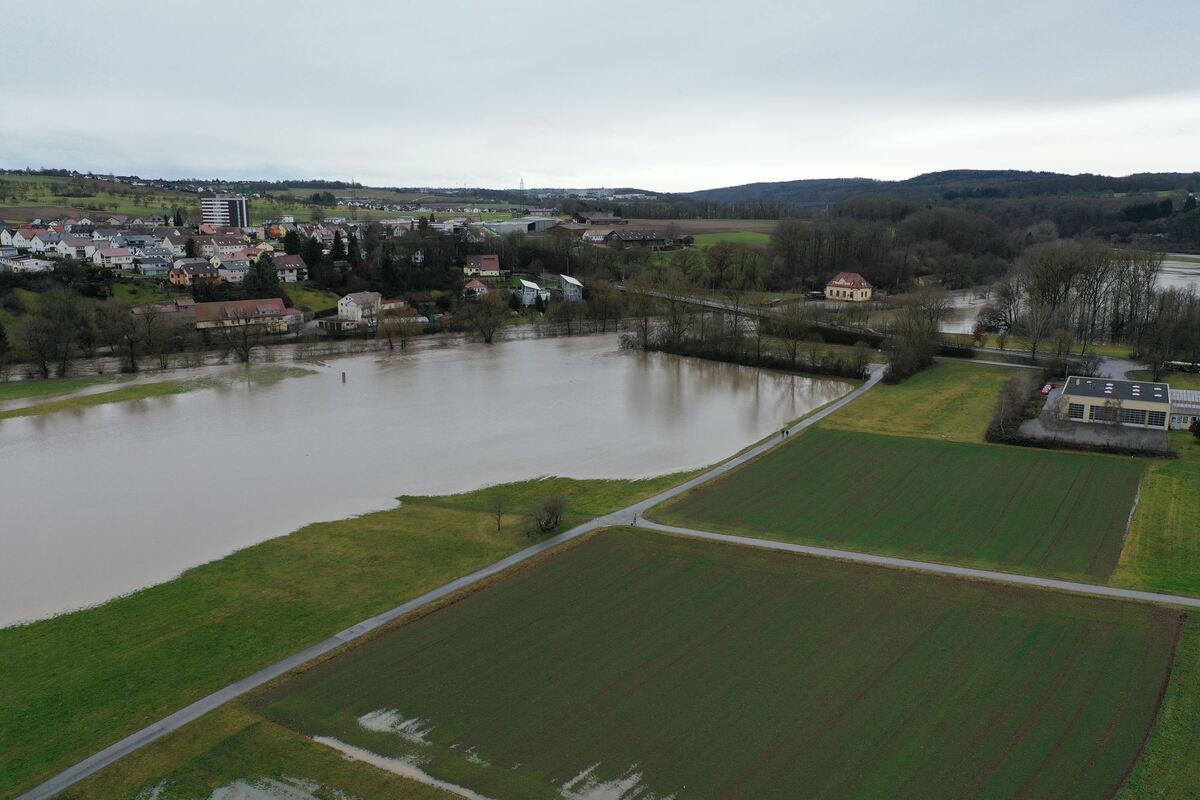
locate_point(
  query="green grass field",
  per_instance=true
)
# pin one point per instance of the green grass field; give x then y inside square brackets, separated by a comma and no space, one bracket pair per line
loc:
[311,300]
[685,668]
[756,238]
[1007,508]
[950,400]
[78,682]
[1162,552]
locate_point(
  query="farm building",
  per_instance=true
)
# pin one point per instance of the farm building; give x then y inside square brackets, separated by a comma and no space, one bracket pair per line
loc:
[1185,408]
[849,287]
[1139,404]
[572,289]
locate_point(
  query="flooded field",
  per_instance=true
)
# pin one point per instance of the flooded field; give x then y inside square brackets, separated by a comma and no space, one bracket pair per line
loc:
[109,499]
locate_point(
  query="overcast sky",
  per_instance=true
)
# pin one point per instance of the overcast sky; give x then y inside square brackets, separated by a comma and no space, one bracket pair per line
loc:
[670,96]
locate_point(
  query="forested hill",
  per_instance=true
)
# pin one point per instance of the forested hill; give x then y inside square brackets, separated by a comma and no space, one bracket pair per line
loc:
[952,184]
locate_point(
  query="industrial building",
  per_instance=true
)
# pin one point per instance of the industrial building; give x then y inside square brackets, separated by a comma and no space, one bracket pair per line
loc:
[1139,404]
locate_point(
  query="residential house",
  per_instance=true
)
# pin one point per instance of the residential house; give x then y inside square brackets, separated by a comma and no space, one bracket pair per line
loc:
[269,313]
[290,269]
[75,247]
[475,289]
[176,243]
[154,266]
[25,263]
[44,243]
[360,307]
[486,266]
[113,257]
[190,271]
[849,287]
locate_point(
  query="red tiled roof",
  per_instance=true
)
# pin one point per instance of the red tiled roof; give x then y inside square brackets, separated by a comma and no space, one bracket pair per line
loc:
[849,280]
[484,263]
[267,307]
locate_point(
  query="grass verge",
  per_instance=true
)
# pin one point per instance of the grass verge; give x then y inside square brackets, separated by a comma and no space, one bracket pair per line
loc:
[1162,551]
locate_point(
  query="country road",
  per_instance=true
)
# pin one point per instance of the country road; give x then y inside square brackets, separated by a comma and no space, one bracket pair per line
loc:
[630,515]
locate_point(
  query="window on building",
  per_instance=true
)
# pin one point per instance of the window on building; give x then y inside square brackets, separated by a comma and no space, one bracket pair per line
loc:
[1133,416]
[1102,414]
[1075,411]
[1157,419]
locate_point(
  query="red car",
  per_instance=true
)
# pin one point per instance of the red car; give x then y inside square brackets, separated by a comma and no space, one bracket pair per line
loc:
[1048,388]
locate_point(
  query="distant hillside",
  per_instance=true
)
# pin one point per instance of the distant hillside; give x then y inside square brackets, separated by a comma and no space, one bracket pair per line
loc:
[951,184]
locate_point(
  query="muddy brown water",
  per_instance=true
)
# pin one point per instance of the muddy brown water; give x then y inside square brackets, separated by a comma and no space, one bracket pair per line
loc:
[113,498]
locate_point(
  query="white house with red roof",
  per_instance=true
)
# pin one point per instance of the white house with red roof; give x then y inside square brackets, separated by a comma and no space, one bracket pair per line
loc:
[849,287]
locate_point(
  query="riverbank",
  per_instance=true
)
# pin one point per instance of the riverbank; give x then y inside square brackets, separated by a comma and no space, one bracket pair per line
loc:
[79,681]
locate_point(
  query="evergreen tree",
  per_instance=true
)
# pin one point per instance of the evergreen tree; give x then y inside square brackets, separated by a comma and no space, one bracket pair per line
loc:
[352,249]
[261,279]
[178,217]
[3,345]
[291,243]
[338,251]
[389,275]
[189,248]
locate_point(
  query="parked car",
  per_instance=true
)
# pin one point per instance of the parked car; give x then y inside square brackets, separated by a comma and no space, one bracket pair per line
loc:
[1048,388]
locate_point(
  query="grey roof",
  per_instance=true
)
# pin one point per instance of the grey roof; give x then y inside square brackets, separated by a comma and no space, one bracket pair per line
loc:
[1110,389]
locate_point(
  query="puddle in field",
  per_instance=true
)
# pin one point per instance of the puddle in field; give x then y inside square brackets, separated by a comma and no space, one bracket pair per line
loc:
[389,720]
[397,766]
[585,786]
[272,789]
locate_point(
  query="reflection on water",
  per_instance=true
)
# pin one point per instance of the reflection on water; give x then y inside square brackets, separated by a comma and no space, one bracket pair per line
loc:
[111,498]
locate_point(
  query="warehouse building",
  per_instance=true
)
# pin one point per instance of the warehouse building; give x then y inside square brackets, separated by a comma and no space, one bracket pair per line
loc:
[1140,404]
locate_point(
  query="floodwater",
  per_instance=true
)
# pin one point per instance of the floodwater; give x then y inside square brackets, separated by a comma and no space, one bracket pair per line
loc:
[965,304]
[109,499]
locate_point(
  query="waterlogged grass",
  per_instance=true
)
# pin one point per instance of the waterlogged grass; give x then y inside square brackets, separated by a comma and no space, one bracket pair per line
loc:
[1007,508]
[232,745]
[76,683]
[676,667]
[950,400]
[1162,552]
[22,390]
[147,391]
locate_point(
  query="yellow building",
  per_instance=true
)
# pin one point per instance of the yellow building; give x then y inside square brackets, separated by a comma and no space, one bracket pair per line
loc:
[1139,404]
[849,287]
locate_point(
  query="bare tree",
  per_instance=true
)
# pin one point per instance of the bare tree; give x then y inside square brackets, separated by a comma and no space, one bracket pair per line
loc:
[397,326]
[486,316]
[792,324]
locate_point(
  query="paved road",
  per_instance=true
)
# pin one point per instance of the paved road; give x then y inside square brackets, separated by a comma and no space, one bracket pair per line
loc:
[930,567]
[625,516]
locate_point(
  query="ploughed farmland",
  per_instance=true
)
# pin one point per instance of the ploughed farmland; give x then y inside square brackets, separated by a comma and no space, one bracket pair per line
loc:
[637,663]
[1008,508]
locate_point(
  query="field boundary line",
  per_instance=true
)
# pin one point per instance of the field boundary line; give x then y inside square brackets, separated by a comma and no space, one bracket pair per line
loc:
[174,721]
[930,567]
